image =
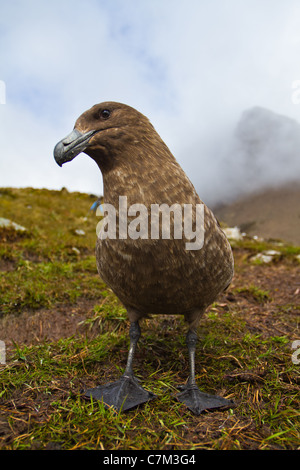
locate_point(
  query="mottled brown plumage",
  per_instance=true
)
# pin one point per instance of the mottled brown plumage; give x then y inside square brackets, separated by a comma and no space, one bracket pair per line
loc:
[149,276]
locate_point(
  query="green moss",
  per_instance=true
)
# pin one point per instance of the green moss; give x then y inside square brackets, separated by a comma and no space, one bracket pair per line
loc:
[258,294]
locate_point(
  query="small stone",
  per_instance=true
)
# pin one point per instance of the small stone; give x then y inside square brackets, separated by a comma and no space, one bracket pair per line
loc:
[272,253]
[262,257]
[233,233]
[80,232]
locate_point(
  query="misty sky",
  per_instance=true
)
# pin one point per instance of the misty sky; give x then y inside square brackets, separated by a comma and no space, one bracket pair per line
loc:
[192,67]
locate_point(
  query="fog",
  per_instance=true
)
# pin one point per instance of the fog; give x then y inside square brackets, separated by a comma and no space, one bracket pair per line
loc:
[262,152]
[209,75]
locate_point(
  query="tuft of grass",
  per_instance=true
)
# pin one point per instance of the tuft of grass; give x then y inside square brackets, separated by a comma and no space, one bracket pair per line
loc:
[255,292]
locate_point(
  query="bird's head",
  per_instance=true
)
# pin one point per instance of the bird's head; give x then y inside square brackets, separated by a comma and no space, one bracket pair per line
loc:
[102,130]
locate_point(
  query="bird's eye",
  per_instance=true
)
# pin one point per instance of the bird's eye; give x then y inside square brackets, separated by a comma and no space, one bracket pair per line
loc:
[104,114]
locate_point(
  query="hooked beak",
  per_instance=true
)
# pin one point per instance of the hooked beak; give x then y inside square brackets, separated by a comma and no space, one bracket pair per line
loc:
[75,143]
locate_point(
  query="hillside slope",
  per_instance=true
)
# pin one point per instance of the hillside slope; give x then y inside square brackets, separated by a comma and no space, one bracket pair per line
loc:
[272,213]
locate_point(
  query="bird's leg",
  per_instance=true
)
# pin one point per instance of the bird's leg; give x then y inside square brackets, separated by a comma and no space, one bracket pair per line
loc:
[191,396]
[191,341]
[134,335]
[126,392]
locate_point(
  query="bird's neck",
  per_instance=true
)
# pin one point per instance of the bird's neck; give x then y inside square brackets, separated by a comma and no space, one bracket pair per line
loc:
[141,172]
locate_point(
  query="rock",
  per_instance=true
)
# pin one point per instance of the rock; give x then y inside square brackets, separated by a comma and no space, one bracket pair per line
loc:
[233,233]
[262,257]
[10,224]
[272,253]
[266,256]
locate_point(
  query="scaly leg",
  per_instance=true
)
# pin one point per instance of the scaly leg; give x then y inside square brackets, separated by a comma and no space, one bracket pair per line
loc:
[126,392]
[191,396]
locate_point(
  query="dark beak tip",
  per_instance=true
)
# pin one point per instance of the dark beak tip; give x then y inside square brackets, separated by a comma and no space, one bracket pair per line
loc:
[58,154]
[71,145]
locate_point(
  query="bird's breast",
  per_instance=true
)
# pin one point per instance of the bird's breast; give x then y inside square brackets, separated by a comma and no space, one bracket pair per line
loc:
[161,275]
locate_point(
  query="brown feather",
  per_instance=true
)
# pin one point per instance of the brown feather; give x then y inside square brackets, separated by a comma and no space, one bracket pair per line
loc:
[152,276]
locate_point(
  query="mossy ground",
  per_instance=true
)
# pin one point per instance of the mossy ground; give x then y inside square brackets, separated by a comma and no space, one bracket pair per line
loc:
[64,331]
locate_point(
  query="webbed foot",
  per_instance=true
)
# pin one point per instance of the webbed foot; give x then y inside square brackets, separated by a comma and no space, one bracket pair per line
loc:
[124,394]
[198,401]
